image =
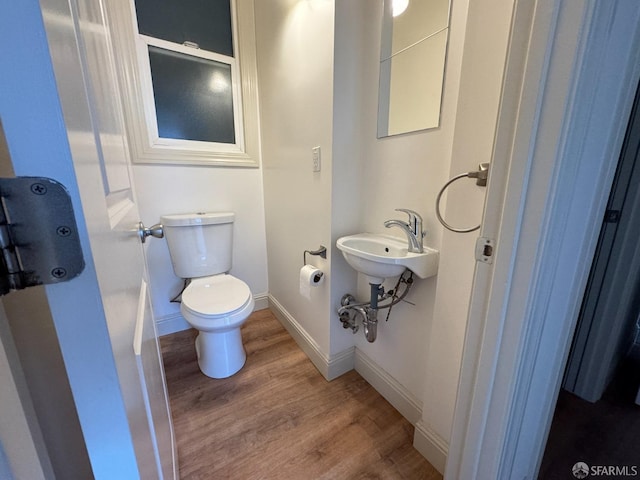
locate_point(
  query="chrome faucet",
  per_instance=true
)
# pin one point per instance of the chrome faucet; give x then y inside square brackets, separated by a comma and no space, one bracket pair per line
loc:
[412,228]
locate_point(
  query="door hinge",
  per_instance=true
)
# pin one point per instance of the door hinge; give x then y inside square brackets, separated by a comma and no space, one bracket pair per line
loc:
[484,250]
[39,240]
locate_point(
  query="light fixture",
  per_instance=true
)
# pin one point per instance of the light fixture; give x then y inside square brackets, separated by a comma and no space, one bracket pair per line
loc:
[399,6]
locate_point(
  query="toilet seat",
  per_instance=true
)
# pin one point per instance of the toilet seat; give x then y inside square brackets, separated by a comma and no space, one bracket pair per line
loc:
[216,296]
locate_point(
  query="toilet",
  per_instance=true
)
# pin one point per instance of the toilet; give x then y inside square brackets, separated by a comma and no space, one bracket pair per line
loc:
[214,303]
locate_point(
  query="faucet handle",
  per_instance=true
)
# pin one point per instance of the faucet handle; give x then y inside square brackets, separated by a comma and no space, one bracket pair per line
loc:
[414,219]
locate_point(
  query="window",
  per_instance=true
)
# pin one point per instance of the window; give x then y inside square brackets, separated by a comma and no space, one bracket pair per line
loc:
[188,80]
[193,97]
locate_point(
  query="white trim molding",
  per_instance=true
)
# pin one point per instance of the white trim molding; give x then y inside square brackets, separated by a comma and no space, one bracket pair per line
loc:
[329,366]
[430,445]
[570,80]
[172,323]
[134,80]
[262,301]
[387,386]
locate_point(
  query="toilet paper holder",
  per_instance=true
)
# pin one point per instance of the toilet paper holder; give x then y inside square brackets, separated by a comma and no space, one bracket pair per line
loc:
[322,252]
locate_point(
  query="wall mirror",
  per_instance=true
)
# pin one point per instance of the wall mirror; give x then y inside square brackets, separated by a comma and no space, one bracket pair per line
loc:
[412,60]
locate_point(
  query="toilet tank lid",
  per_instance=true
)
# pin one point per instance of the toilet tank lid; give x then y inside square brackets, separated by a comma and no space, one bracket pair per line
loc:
[199,218]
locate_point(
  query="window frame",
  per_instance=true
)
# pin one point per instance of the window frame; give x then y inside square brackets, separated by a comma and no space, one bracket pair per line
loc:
[131,52]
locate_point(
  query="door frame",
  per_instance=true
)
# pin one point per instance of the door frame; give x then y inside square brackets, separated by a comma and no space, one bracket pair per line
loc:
[604,331]
[562,121]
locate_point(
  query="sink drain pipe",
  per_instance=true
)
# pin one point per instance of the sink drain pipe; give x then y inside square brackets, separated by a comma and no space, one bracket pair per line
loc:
[369,310]
[370,320]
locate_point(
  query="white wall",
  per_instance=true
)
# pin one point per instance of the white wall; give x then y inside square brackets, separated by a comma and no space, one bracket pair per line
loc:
[166,189]
[483,64]
[362,181]
[348,160]
[367,179]
[403,171]
[295,75]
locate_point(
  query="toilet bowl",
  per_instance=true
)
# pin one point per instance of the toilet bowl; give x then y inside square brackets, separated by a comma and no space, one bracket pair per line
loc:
[218,306]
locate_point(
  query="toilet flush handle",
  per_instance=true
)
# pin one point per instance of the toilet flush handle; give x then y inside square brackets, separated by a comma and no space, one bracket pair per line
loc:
[155,231]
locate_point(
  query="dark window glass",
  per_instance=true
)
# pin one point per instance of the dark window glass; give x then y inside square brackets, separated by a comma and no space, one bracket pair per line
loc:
[205,22]
[193,97]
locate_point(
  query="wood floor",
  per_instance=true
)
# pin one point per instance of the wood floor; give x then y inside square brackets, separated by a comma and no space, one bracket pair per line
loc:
[278,418]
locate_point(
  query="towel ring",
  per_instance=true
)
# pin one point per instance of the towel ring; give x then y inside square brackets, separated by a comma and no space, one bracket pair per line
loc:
[481,176]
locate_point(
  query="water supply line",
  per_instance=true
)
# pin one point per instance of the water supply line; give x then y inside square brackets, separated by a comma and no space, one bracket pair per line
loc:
[481,176]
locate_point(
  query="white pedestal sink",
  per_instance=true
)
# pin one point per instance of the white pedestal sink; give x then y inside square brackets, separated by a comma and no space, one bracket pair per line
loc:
[380,256]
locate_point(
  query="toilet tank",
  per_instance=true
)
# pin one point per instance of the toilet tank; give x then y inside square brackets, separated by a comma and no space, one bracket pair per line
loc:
[200,244]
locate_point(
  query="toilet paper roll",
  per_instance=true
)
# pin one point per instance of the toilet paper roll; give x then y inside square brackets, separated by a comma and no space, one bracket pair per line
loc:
[310,276]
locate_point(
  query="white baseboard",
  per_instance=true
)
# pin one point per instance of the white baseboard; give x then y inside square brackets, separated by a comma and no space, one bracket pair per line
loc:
[174,322]
[262,301]
[431,446]
[397,395]
[171,324]
[329,366]
[341,363]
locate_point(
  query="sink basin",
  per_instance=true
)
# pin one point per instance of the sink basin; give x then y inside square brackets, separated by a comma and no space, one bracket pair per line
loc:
[380,256]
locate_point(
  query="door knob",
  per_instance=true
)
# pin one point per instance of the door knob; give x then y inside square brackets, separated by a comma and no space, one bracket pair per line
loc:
[155,231]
